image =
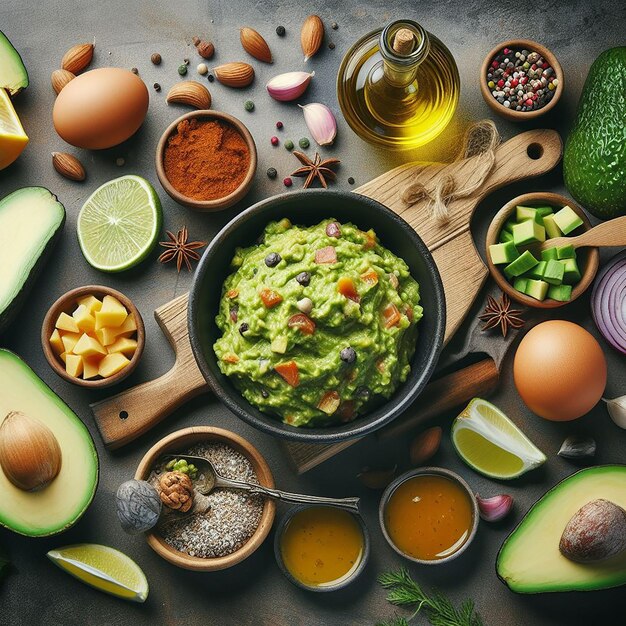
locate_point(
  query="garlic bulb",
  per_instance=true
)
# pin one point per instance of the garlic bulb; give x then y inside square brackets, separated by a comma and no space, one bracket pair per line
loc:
[289,86]
[617,410]
[495,508]
[321,123]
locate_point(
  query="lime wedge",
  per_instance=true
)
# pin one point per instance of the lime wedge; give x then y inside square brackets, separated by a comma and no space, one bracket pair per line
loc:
[13,139]
[119,224]
[104,568]
[490,443]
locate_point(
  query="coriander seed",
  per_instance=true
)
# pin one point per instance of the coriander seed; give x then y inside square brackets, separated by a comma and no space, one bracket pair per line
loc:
[289,145]
[304,143]
[182,70]
[202,69]
[248,105]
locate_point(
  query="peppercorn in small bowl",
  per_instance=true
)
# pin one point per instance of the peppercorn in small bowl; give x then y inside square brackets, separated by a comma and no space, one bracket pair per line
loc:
[206,160]
[520,80]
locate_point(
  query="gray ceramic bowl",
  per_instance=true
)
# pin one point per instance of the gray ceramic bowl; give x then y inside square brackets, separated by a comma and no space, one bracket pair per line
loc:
[428,471]
[278,535]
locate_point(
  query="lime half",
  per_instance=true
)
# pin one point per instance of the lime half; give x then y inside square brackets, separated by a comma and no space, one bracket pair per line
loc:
[490,443]
[104,568]
[119,224]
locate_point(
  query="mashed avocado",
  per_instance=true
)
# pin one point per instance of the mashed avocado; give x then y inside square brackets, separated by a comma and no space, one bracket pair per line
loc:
[317,323]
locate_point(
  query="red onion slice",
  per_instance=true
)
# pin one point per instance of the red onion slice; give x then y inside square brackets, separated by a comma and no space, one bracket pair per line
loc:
[608,302]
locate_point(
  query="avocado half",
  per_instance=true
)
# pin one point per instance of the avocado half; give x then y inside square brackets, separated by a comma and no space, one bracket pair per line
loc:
[61,504]
[13,74]
[529,560]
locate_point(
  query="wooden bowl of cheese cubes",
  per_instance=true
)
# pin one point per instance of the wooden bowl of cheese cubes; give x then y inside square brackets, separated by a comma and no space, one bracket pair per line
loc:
[93,336]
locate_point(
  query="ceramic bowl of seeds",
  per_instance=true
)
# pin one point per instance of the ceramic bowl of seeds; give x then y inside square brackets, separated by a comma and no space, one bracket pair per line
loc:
[520,80]
[207,532]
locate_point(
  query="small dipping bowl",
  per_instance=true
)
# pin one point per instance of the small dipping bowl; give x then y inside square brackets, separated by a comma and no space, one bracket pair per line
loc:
[342,581]
[178,442]
[515,45]
[459,483]
[67,304]
[588,259]
[218,203]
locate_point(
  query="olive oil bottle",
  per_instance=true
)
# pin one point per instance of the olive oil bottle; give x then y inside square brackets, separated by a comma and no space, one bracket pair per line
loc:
[398,87]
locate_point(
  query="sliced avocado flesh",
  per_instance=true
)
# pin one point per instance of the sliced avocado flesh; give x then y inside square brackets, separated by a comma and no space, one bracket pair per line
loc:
[61,504]
[530,561]
[30,220]
[13,74]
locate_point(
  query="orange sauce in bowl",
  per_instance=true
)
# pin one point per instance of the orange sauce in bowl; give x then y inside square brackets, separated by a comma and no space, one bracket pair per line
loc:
[429,517]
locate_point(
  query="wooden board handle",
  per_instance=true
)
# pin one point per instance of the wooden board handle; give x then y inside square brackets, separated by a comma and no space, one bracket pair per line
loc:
[446,393]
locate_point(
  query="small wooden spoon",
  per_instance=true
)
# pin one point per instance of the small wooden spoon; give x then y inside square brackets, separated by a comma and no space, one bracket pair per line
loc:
[610,233]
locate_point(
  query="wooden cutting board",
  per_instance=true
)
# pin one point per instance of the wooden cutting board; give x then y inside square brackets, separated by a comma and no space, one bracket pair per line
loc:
[131,413]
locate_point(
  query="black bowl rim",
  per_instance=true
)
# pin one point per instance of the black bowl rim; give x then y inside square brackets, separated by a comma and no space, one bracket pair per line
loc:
[361,426]
[280,530]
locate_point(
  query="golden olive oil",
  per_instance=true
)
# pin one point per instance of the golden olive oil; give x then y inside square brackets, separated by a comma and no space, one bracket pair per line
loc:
[398,96]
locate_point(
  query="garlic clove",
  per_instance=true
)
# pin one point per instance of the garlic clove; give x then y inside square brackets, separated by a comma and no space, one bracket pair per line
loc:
[289,86]
[617,410]
[495,508]
[578,448]
[321,122]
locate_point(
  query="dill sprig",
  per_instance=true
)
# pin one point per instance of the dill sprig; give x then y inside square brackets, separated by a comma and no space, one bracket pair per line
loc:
[404,591]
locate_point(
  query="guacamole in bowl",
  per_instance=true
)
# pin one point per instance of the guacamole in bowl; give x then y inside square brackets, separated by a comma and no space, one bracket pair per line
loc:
[318,323]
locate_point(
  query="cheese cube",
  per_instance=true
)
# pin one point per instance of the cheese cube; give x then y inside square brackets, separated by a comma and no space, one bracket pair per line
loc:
[111,364]
[124,345]
[70,340]
[84,320]
[56,343]
[88,346]
[74,365]
[91,367]
[91,303]
[112,314]
[66,322]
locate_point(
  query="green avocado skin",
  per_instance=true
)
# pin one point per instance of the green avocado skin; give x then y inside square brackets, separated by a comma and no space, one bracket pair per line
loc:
[594,162]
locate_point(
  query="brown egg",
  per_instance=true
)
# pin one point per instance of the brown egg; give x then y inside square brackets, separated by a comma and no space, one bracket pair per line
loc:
[100,108]
[559,370]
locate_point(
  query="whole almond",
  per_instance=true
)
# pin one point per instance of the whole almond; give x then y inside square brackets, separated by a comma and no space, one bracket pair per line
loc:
[60,78]
[254,44]
[77,58]
[191,93]
[376,478]
[425,445]
[311,35]
[68,165]
[235,74]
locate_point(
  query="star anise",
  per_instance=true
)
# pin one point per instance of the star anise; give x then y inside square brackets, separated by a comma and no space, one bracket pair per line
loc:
[315,169]
[500,313]
[180,249]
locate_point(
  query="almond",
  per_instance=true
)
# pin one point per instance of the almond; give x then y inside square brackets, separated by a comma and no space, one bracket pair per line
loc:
[311,35]
[68,166]
[235,74]
[425,445]
[60,78]
[254,44]
[77,58]
[191,93]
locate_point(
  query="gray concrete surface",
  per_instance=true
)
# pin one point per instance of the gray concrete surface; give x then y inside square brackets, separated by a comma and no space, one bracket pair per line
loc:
[126,33]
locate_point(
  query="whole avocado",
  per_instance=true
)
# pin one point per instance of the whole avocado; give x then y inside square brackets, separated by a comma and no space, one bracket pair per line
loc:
[594,162]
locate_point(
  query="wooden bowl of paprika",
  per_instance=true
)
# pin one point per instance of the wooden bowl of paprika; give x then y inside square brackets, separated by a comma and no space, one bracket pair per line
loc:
[206,160]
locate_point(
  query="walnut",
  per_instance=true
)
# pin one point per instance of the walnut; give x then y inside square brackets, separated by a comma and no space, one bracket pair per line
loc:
[176,491]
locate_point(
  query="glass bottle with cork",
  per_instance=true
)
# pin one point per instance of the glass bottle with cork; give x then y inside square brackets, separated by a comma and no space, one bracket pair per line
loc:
[398,87]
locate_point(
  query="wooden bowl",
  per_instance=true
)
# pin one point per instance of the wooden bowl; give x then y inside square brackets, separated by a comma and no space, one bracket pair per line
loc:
[532,46]
[66,304]
[179,441]
[587,258]
[219,203]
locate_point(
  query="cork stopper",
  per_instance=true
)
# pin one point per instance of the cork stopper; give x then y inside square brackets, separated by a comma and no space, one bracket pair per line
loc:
[403,42]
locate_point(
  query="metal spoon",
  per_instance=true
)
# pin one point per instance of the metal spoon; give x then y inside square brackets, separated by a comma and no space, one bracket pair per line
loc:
[211,479]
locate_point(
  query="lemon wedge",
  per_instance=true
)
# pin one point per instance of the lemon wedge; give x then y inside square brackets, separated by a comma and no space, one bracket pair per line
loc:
[13,139]
[490,443]
[104,568]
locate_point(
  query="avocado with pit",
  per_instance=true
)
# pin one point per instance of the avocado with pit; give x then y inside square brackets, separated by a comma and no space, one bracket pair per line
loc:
[36,508]
[28,244]
[13,74]
[594,160]
[530,559]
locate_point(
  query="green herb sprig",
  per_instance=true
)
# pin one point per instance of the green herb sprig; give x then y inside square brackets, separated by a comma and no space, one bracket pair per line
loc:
[404,591]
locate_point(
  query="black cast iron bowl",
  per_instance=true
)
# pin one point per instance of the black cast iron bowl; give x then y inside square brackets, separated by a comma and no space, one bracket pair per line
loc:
[309,208]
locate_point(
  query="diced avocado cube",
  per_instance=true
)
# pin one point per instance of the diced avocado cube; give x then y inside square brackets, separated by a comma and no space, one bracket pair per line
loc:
[552,230]
[562,293]
[522,264]
[520,284]
[566,252]
[505,236]
[544,210]
[527,232]
[503,253]
[567,220]
[548,254]
[537,289]
[508,225]
[554,272]
[527,213]
[571,273]
[538,271]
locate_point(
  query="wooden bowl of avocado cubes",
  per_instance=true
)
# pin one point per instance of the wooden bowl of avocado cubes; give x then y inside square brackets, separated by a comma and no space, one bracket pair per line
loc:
[546,278]
[93,336]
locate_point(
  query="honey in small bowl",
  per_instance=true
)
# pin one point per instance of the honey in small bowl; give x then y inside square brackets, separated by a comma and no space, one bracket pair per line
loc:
[429,517]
